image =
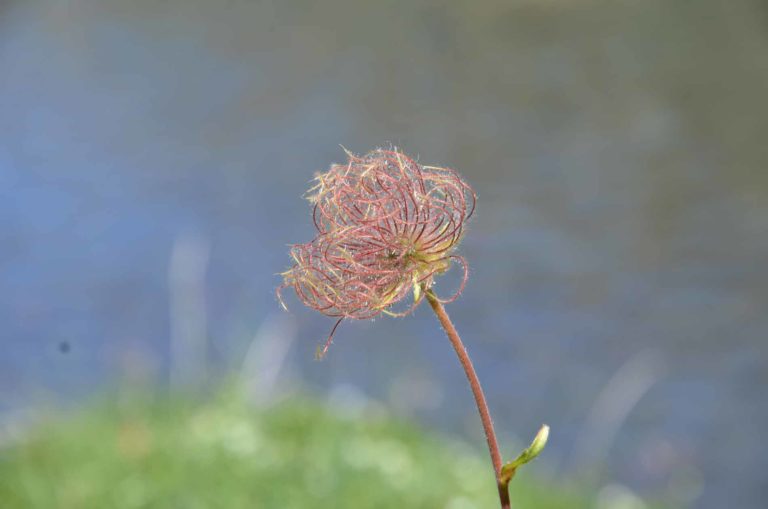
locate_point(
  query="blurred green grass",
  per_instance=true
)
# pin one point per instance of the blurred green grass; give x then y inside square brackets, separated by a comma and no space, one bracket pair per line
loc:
[224,454]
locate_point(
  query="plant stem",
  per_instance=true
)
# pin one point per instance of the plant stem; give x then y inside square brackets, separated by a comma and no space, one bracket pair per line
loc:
[477,391]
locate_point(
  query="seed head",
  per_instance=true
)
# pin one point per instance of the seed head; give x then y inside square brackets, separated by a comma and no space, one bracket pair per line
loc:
[386,226]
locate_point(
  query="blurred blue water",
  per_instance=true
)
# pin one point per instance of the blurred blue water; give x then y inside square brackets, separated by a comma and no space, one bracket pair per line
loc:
[616,220]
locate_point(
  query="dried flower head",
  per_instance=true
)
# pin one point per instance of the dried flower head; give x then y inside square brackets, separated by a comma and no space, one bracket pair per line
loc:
[386,227]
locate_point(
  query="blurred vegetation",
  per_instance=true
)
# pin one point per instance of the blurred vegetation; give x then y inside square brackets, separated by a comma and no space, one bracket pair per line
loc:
[224,454]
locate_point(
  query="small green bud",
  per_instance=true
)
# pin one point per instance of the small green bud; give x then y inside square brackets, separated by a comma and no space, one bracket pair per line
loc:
[528,455]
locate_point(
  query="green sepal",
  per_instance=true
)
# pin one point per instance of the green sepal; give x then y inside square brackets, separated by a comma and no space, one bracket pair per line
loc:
[416,289]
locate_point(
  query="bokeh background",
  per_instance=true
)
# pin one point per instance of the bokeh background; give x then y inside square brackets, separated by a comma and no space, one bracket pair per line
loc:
[153,157]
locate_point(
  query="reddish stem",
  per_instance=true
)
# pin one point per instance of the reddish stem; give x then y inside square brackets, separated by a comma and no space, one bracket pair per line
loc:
[477,391]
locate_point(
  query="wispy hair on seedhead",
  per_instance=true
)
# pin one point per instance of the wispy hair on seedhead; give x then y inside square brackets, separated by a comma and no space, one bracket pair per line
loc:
[386,226]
